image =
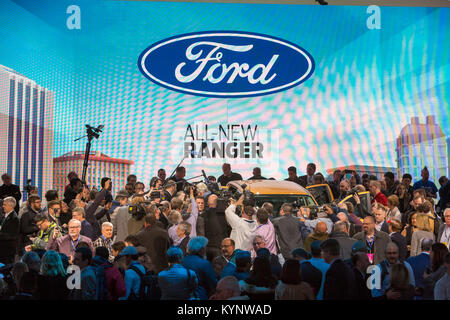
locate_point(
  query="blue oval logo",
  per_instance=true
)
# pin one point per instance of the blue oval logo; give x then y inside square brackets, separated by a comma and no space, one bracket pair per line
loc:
[226,64]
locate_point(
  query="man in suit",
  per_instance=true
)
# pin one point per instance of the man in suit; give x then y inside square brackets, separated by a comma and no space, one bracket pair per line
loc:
[10,190]
[292,176]
[308,179]
[287,230]
[444,230]
[310,274]
[395,229]
[379,211]
[157,242]
[339,279]
[28,225]
[216,228]
[9,231]
[341,234]
[421,262]
[375,241]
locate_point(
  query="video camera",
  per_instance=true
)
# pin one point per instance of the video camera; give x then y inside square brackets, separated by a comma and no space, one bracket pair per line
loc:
[137,211]
[225,196]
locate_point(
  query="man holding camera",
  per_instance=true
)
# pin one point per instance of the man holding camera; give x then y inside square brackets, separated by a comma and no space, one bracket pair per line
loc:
[243,230]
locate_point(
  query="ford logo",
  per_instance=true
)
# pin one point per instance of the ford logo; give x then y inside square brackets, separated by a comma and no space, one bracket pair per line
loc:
[226,64]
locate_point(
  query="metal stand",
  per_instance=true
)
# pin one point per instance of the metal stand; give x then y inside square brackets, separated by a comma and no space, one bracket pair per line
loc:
[91,133]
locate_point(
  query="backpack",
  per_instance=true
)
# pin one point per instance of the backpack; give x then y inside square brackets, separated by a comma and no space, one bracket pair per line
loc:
[149,289]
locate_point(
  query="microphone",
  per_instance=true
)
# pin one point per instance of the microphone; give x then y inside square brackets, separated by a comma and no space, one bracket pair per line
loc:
[206,178]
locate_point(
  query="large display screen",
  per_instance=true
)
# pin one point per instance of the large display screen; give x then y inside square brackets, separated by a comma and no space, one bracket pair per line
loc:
[276,85]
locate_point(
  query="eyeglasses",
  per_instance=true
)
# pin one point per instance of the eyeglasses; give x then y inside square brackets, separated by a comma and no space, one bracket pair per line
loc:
[225,245]
[77,227]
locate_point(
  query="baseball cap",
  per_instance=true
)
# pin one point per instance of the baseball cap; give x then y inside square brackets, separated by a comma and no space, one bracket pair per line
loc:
[128,251]
[122,194]
[299,252]
[359,246]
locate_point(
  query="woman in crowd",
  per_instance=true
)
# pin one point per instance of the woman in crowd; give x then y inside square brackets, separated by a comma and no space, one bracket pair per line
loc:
[409,230]
[51,283]
[423,230]
[291,286]
[261,283]
[400,288]
[404,197]
[394,212]
[438,270]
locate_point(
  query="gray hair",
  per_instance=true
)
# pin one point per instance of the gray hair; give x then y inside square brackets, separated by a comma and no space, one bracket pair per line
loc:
[12,201]
[75,221]
[230,282]
[186,227]
[79,210]
[340,226]
[107,224]
[258,237]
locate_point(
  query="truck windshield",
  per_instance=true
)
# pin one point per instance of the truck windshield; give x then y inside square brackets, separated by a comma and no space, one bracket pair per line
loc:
[277,200]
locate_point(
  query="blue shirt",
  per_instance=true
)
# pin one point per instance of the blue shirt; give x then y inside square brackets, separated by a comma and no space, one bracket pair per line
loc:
[386,282]
[323,267]
[230,270]
[174,283]
[207,279]
[132,280]
[429,185]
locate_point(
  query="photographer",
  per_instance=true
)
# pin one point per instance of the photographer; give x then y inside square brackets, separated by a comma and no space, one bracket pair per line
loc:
[243,229]
[46,232]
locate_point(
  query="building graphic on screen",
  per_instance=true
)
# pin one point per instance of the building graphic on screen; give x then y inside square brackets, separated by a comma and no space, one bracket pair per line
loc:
[100,165]
[420,145]
[26,130]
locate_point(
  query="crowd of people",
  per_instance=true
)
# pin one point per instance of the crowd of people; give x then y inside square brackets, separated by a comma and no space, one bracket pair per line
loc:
[171,240]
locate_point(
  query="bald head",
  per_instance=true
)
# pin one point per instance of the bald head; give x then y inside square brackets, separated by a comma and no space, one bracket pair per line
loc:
[321,227]
[212,201]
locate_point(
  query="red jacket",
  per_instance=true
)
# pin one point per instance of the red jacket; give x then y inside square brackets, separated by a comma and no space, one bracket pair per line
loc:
[381,198]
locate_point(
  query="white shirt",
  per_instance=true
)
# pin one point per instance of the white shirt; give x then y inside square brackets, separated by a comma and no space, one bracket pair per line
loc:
[445,238]
[243,231]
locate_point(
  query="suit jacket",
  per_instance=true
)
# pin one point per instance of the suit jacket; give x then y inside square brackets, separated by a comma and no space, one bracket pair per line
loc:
[339,282]
[381,240]
[400,241]
[287,230]
[419,264]
[11,191]
[9,235]
[216,227]
[183,244]
[157,242]
[385,227]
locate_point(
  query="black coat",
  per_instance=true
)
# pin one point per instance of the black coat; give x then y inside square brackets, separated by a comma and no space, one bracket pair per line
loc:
[9,235]
[400,241]
[339,282]
[361,291]
[157,242]
[183,245]
[11,191]
[216,227]
[311,275]
[27,226]
[223,180]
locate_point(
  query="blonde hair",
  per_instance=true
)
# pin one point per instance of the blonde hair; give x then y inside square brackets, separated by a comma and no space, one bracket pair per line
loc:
[136,200]
[423,222]
[393,200]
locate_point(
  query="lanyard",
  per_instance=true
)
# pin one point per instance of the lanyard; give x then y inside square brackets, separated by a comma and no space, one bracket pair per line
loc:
[71,241]
[107,243]
[370,244]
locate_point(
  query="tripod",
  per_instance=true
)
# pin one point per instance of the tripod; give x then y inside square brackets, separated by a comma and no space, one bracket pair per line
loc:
[91,133]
